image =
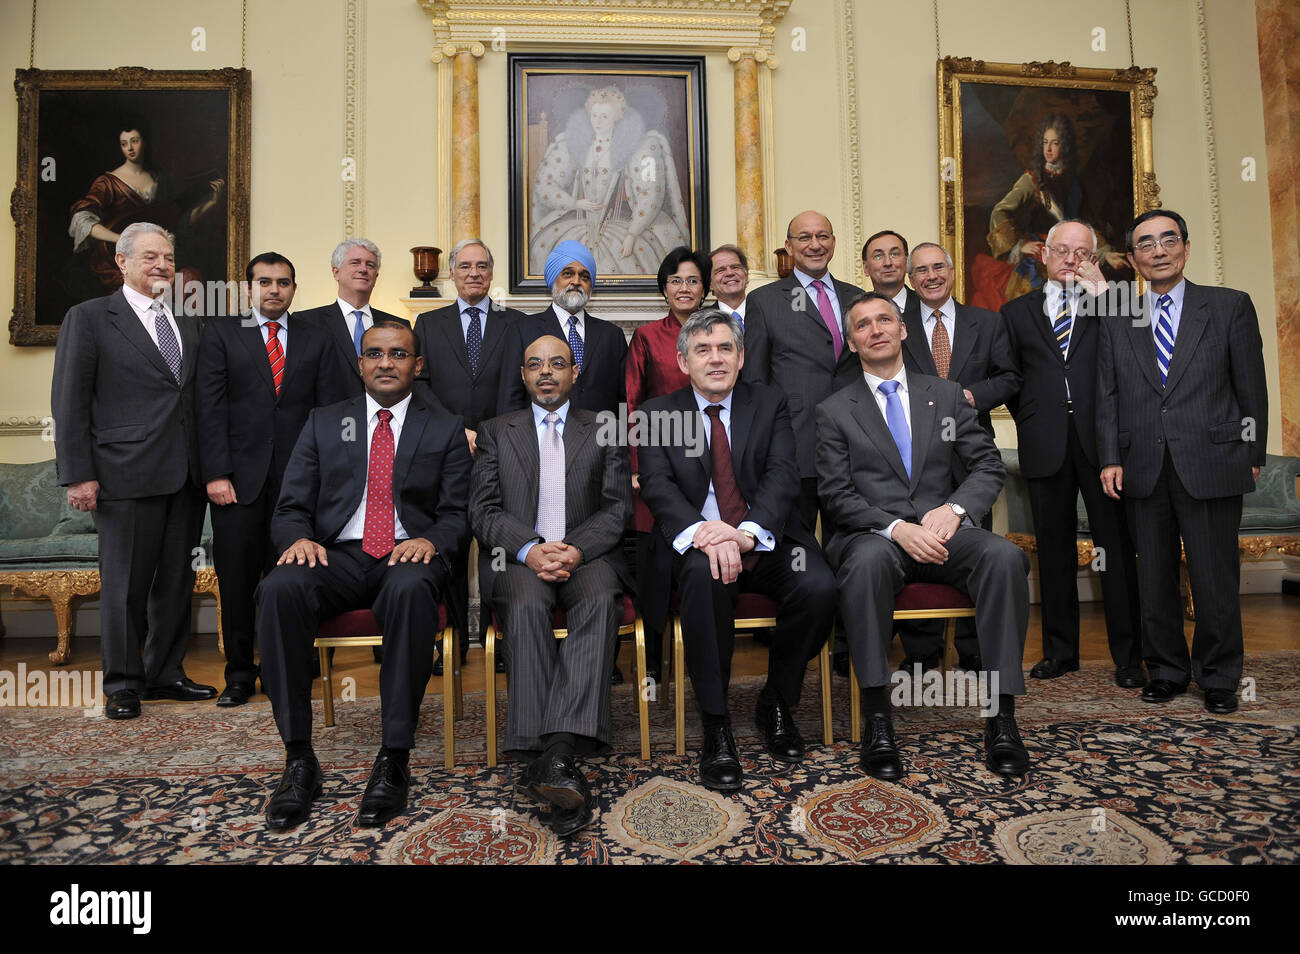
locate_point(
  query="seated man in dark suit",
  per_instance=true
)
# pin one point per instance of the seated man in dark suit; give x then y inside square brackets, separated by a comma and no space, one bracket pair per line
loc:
[372,513]
[730,513]
[552,501]
[905,471]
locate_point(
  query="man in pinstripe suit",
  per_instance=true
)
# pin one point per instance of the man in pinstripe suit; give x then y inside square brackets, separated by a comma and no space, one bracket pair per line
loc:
[1182,421]
[549,507]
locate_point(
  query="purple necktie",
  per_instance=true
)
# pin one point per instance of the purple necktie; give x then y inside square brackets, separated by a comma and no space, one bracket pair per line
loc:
[828,316]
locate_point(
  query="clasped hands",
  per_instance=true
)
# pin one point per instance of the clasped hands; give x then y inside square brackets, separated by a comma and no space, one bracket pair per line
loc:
[553,562]
[924,542]
[724,545]
[415,550]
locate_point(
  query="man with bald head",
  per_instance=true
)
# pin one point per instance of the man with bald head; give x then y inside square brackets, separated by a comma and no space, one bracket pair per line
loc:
[794,339]
[554,500]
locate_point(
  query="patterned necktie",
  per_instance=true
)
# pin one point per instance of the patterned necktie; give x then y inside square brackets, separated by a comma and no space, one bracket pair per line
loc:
[941,346]
[828,316]
[167,343]
[377,540]
[474,339]
[1164,337]
[575,343]
[274,353]
[1062,326]
[726,492]
[550,492]
[358,329]
[898,423]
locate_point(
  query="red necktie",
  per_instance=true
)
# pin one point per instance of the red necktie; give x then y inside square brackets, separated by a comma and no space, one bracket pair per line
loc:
[726,492]
[378,538]
[274,353]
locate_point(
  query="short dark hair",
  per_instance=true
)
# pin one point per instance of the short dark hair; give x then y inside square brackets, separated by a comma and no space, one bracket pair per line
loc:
[881,234]
[269,258]
[703,321]
[683,254]
[735,250]
[1153,214]
[859,299]
[394,323]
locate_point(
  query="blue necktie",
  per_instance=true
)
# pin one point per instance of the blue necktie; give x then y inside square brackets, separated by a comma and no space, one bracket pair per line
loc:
[1062,326]
[575,343]
[358,329]
[1164,337]
[898,423]
[474,339]
[167,343]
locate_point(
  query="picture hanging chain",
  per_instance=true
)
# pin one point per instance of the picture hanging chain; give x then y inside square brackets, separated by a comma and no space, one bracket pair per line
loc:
[31,50]
[1128,13]
[938,52]
[243,36]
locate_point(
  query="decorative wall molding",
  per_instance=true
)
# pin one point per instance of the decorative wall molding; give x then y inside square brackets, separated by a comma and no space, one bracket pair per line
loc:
[353,114]
[25,425]
[1211,157]
[851,188]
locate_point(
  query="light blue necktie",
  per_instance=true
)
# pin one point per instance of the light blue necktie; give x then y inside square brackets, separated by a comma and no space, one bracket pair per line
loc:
[358,329]
[1164,337]
[898,423]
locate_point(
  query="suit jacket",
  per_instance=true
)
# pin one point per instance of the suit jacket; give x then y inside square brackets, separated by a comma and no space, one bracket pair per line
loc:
[597,489]
[329,318]
[326,477]
[862,481]
[1212,413]
[446,361]
[981,355]
[788,345]
[120,416]
[246,430]
[1040,408]
[600,386]
[674,486]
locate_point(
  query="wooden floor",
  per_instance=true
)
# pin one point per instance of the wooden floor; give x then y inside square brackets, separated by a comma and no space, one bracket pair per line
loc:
[1271,622]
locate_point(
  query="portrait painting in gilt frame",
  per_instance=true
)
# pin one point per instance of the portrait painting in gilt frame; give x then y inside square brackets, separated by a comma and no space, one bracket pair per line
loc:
[609,151]
[101,149]
[1024,145]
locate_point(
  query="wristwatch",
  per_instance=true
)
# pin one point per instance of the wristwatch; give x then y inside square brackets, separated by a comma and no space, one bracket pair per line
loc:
[751,536]
[957,508]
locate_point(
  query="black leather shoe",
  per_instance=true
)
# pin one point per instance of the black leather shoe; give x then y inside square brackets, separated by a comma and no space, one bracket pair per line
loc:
[235,694]
[779,729]
[840,663]
[299,786]
[927,663]
[1004,753]
[123,704]
[1130,677]
[566,822]
[972,663]
[1052,668]
[1220,701]
[385,796]
[879,757]
[616,677]
[1162,690]
[186,690]
[557,780]
[437,665]
[500,665]
[719,761]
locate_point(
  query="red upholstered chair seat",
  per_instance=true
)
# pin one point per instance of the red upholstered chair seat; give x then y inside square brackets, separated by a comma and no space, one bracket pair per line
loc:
[931,596]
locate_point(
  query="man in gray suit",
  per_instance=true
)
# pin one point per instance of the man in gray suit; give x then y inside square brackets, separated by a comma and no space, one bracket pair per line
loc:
[123,401]
[1182,424]
[549,507]
[794,339]
[906,472]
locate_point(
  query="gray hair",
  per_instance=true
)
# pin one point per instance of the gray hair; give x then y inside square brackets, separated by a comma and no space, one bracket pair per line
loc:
[918,248]
[1052,230]
[126,239]
[466,243]
[702,323]
[340,250]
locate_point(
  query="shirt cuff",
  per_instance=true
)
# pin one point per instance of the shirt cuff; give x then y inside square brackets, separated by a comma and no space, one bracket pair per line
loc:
[522,555]
[682,542]
[888,532]
[764,542]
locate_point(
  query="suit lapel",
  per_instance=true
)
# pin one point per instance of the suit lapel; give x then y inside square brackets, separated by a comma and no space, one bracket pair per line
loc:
[455,340]
[868,415]
[251,338]
[292,355]
[965,333]
[1042,322]
[921,404]
[522,436]
[577,431]
[493,332]
[742,420]
[1141,339]
[916,343]
[338,329]
[417,416]
[124,318]
[1191,326]
[189,328]
[357,449]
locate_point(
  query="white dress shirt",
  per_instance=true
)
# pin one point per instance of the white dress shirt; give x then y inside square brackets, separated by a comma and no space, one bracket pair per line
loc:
[367,319]
[1175,308]
[355,529]
[539,426]
[564,317]
[282,334]
[828,283]
[483,307]
[901,299]
[948,311]
[738,312]
[142,305]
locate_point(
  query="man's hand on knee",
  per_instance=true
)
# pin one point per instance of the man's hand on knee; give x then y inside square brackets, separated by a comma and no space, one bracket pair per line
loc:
[304,551]
[416,550]
[922,545]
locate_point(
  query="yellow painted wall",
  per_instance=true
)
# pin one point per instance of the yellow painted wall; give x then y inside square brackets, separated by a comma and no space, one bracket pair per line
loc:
[296,54]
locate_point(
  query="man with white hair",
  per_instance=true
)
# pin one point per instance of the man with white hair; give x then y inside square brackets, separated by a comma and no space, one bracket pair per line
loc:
[126,449]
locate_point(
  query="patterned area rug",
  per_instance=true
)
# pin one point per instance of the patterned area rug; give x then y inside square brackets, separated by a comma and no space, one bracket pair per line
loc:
[1112,781]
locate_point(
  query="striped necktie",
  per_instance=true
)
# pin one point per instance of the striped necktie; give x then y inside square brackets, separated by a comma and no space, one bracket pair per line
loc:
[1062,326]
[274,353]
[1164,337]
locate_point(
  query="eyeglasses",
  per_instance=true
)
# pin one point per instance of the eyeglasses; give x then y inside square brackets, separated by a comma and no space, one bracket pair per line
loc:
[677,282]
[397,354]
[555,364]
[1064,251]
[803,238]
[466,267]
[938,268]
[1168,243]
[879,256]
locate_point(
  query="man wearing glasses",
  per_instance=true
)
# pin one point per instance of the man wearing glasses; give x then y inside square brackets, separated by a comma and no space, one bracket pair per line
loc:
[372,513]
[1054,339]
[1182,424]
[884,260]
[729,279]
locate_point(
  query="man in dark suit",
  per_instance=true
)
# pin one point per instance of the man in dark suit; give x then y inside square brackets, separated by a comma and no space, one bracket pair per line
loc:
[549,507]
[599,347]
[372,513]
[1054,335]
[254,389]
[884,259]
[729,513]
[729,279]
[794,339]
[1182,424]
[123,402]
[464,347]
[905,472]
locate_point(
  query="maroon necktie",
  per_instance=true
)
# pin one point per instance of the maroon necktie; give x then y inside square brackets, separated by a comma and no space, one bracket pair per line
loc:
[732,508]
[377,540]
[274,353]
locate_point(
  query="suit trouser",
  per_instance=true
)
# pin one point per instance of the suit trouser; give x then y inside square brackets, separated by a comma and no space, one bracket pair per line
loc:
[559,685]
[241,553]
[792,575]
[1209,534]
[146,573]
[989,568]
[293,600]
[654,583]
[1053,502]
[924,637]
[458,603]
